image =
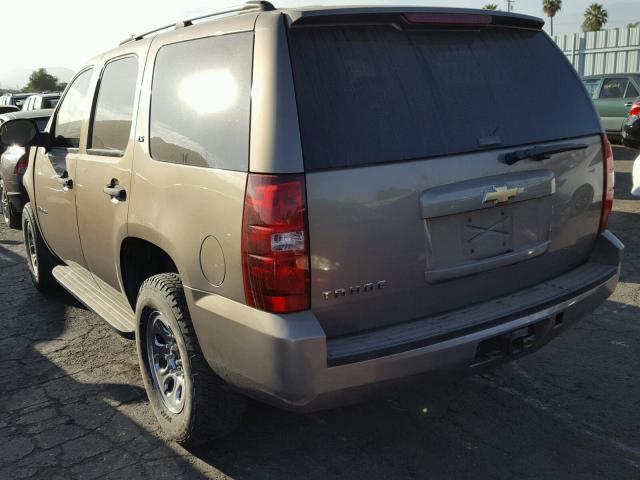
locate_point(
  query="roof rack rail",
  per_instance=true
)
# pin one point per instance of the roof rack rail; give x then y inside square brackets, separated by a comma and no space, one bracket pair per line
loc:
[250,6]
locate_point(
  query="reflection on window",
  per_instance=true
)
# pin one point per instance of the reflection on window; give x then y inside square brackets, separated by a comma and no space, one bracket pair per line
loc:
[200,102]
[72,112]
[114,109]
[210,91]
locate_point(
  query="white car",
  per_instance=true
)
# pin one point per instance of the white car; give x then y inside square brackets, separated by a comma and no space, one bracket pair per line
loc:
[635,186]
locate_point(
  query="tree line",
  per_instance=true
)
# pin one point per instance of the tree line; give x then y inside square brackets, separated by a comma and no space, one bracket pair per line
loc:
[42,81]
[595,16]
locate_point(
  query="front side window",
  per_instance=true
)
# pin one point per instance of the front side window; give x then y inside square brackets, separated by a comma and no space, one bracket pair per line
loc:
[73,112]
[114,109]
[614,88]
[200,102]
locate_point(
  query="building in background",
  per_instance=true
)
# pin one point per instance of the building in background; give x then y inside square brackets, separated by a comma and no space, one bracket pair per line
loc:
[603,52]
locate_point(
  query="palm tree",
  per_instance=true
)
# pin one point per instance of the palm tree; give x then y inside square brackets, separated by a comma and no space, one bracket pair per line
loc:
[595,18]
[550,8]
[490,6]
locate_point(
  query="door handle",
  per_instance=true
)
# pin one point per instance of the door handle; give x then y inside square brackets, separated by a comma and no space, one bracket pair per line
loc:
[65,181]
[115,191]
[628,104]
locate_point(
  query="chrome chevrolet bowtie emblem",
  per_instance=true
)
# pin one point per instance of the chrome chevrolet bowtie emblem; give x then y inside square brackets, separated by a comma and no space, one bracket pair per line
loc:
[499,194]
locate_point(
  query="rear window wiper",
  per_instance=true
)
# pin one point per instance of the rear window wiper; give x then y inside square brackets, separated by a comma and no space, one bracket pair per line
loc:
[541,153]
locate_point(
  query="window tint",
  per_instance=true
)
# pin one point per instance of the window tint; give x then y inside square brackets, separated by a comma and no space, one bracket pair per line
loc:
[41,123]
[114,109]
[592,87]
[200,102]
[50,102]
[614,88]
[632,92]
[72,112]
[375,94]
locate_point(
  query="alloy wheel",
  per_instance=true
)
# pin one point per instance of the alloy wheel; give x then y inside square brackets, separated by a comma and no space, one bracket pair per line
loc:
[4,203]
[165,362]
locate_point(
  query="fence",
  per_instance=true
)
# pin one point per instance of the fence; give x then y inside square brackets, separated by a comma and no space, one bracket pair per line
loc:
[606,51]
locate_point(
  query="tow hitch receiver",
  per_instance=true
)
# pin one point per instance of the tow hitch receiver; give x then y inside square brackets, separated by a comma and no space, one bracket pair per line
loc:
[515,342]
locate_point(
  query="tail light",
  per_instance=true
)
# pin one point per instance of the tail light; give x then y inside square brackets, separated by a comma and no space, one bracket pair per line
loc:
[609,182]
[21,166]
[635,109]
[451,19]
[275,243]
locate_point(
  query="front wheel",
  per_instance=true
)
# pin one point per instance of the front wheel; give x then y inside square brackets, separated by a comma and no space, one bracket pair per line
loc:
[191,403]
[39,259]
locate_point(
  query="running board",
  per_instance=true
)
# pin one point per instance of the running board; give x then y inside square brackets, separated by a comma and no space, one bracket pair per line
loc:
[83,287]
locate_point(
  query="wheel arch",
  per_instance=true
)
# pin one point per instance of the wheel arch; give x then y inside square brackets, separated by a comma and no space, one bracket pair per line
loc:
[139,260]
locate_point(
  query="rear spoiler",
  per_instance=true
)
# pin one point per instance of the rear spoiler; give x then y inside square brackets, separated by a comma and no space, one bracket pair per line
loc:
[407,17]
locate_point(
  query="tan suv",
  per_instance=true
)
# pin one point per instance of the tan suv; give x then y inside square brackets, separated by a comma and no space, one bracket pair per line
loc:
[304,205]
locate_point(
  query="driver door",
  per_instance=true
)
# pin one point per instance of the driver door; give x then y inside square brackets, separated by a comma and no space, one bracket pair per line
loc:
[55,168]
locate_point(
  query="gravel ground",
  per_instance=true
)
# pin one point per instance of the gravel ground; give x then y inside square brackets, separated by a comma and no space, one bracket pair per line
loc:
[72,403]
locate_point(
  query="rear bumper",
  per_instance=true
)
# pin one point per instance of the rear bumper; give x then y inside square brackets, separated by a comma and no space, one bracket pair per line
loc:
[287,361]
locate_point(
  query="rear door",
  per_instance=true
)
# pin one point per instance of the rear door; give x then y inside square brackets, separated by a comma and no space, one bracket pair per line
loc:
[408,133]
[104,171]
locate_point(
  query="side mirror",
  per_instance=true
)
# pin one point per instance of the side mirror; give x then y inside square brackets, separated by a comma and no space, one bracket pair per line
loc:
[24,133]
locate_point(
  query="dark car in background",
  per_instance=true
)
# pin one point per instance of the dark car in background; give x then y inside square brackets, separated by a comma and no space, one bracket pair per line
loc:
[13,163]
[8,109]
[631,127]
[41,101]
[613,95]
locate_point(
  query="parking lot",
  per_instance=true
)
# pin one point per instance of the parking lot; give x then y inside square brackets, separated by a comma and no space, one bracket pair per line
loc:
[72,403]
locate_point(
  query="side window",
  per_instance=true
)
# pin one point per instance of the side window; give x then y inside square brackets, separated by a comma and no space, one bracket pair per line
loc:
[72,112]
[592,87]
[632,91]
[111,125]
[200,102]
[614,88]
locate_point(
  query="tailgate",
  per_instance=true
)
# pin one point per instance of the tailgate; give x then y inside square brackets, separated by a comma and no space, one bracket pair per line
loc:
[414,206]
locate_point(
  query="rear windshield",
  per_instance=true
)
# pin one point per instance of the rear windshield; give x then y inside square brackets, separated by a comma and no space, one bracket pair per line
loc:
[374,94]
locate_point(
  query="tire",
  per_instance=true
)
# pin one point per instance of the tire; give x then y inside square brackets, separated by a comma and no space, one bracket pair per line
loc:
[11,217]
[40,260]
[198,406]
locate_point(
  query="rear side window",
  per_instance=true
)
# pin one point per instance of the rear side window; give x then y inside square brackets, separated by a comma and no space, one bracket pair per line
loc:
[50,102]
[73,112]
[632,92]
[200,102]
[374,94]
[114,108]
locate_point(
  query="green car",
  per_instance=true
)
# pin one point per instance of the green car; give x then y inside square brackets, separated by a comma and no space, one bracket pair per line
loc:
[613,95]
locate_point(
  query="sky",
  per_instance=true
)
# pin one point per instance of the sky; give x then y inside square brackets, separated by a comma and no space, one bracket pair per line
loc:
[65,33]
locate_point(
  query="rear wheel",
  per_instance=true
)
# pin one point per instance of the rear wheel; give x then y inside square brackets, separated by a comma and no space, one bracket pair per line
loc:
[39,259]
[191,403]
[11,217]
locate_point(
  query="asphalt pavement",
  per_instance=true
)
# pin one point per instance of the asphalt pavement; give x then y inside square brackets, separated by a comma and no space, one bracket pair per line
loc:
[72,404]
